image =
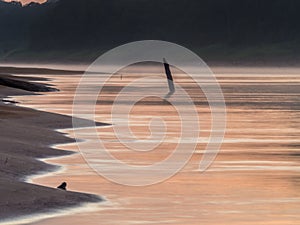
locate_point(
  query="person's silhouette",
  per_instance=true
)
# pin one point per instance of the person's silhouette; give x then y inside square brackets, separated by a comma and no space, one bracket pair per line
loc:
[63,186]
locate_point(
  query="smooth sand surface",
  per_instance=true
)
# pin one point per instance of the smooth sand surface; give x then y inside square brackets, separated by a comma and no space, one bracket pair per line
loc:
[26,135]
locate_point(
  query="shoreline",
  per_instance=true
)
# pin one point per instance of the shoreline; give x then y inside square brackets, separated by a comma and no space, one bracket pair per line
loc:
[257,101]
[29,137]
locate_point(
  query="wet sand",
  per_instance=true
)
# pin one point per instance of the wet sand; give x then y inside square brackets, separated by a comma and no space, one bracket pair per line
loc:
[26,135]
[254,180]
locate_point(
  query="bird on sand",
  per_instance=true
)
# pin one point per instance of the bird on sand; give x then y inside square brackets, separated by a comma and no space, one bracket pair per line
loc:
[63,186]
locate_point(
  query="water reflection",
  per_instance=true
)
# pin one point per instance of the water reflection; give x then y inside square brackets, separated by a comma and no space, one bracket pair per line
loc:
[255,179]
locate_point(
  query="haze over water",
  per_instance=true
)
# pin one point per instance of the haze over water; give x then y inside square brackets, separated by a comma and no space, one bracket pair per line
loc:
[254,179]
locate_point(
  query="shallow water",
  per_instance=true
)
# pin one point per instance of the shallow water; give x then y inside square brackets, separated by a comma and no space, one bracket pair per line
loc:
[255,178]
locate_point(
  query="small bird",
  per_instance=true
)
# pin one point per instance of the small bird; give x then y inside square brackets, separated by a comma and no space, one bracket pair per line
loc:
[63,186]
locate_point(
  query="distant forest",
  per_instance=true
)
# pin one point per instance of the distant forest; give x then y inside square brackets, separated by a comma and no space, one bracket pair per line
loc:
[218,30]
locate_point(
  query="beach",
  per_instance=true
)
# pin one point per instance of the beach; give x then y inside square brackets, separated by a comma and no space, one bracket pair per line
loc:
[149,112]
[26,136]
[254,179]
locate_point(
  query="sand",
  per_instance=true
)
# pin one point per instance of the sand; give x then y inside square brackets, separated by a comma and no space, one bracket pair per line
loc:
[26,135]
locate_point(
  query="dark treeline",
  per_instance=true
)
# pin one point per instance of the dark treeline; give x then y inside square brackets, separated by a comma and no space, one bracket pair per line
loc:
[215,27]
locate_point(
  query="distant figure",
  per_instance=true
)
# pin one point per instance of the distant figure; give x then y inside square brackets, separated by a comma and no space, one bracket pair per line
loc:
[170,79]
[63,186]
